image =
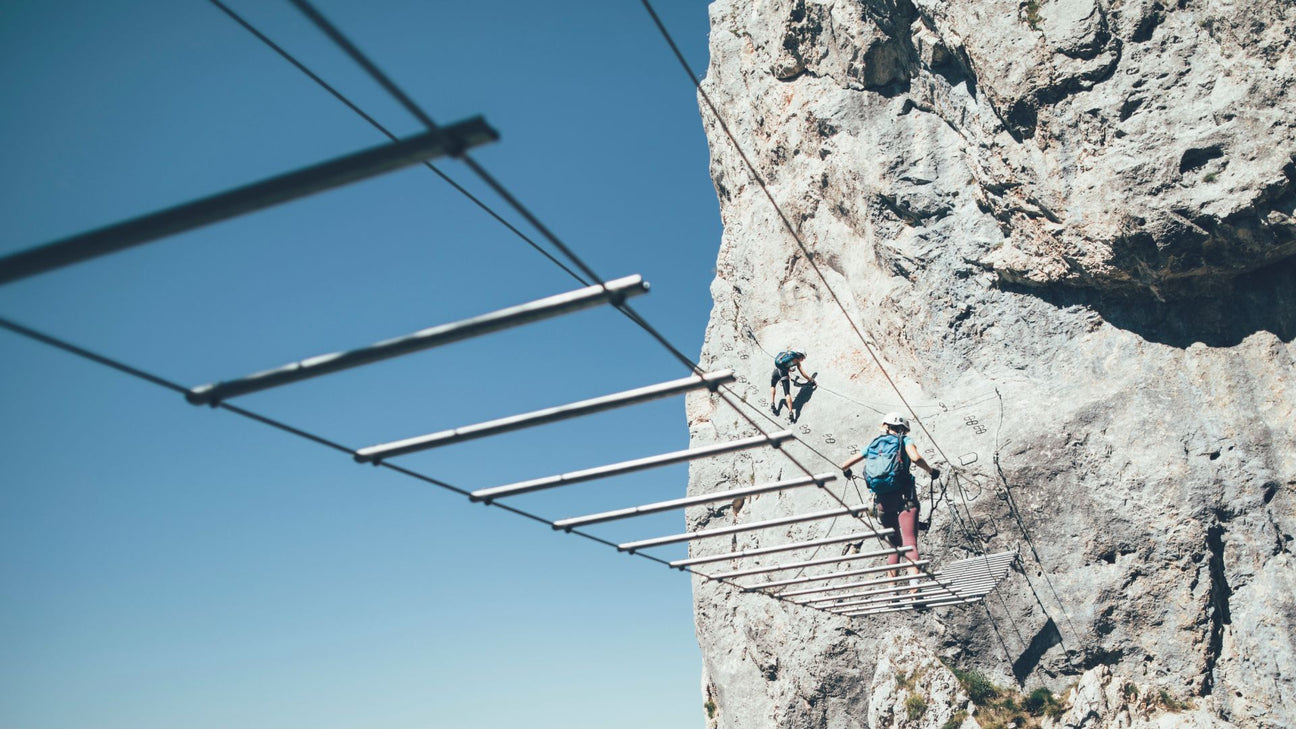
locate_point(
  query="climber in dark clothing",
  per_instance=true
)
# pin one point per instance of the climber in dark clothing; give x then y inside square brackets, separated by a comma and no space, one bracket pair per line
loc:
[887,471]
[783,363]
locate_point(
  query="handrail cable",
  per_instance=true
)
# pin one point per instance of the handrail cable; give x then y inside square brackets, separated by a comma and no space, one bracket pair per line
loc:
[383,80]
[338,38]
[277,424]
[787,224]
[377,125]
[810,258]
[334,34]
[1021,524]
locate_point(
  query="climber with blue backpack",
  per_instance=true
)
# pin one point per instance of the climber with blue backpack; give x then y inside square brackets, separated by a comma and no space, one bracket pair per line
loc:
[887,462]
[783,363]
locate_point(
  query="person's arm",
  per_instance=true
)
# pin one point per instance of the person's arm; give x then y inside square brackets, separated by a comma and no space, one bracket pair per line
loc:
[845,467]
[916,458]
[803,373]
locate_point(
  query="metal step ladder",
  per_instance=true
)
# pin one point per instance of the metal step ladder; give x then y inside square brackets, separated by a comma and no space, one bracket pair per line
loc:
[839,592]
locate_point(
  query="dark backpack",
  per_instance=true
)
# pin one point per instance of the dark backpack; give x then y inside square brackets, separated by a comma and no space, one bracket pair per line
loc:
[886,464]
[785,359]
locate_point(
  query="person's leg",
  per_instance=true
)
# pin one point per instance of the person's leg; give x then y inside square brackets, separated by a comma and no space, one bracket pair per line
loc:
[907,520]
[888,518]
[774,380]
[787,393]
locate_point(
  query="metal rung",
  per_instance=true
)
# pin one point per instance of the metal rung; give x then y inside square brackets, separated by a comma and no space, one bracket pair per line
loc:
[448,140]
[958,590]
[735,529]
[999,559]
[994,565]
[801,564]
[846,586]
[962,582]
[715,498]
[743,554]
[960,574]
[929,591]
[955,589]
[969,583]
[924,576]
[616,469]
[970,572]
[905,607]
[852,585]
[590,296]
[908,601]
[710,381]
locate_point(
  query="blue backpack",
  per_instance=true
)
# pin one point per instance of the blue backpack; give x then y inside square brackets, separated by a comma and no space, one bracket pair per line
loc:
[785,359]
[886,464]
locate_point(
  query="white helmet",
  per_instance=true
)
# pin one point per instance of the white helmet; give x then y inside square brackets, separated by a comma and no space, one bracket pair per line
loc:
[896,420]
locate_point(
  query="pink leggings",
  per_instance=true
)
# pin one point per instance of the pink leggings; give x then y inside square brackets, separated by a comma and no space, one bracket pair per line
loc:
[894,515]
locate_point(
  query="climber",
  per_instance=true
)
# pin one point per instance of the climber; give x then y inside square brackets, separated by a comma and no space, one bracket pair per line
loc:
[887,471]
[783,364]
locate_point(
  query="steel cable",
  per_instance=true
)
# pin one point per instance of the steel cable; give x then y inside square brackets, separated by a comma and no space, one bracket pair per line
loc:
[805,249]
[333,445]
[387,83]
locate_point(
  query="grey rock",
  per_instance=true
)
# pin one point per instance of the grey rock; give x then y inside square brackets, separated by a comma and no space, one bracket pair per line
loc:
[1064,231]
[1102,699]
[907,672]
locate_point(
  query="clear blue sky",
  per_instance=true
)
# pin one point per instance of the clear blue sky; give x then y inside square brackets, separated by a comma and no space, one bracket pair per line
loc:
[163,565]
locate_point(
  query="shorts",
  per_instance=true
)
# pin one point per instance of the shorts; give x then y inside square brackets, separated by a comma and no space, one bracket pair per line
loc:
[785,376]
[895,502]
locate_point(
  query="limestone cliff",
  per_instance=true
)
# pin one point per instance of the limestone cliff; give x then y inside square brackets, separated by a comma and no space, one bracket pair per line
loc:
[1066,229]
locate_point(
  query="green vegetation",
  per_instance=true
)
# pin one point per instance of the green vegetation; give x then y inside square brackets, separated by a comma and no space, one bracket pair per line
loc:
[916,707]
[710,708]
[1129,691]
[977,686]
[1032,14]
[1210,177]
[955,721]
[908,681]
[1042,702]
[999,708]
[1170,703]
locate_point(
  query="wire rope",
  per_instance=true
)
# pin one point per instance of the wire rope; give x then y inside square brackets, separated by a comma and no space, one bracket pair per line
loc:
[290,58]
[348,47]
[282,426]
[329,29]
[810,257]
[513,202]
[791,229]
[1011,500]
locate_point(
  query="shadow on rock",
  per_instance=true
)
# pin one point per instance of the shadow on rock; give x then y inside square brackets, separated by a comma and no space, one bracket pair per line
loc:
[1215,313]
[805,391]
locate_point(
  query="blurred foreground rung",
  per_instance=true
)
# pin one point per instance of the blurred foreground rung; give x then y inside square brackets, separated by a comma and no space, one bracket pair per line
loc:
[687,501]
[452,139]
[617,469]
[709,381]
[612,292]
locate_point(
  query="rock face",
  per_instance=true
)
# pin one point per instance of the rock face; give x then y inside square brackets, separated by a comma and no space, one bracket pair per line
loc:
[1063,232]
